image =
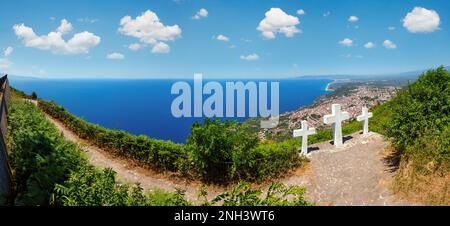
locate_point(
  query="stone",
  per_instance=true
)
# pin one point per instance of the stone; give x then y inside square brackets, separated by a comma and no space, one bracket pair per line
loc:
[335,119]
[304,132]
[364,117]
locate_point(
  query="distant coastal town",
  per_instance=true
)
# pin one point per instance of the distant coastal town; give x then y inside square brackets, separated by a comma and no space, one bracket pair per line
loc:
[350,95]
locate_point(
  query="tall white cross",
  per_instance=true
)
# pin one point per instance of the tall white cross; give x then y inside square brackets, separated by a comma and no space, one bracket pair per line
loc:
[336,118]
[365,117]
[304,132]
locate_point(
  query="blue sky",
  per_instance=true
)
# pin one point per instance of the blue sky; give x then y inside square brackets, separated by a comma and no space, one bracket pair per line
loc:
[324,40]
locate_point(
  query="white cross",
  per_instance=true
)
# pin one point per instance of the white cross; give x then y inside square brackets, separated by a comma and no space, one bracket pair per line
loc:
[304,132]
[365,117]
[336,118]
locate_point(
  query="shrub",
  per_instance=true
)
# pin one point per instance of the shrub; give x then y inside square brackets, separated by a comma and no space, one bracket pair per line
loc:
[215,146]
[277,195]
[226,151]
[40,156]
[95,187]
[422,110]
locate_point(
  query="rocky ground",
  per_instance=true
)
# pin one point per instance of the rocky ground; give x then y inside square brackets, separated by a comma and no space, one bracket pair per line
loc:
[355,174]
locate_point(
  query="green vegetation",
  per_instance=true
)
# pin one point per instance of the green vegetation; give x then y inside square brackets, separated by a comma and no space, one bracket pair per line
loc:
[40,156]
[227,151]
[49,170]
[418,122]
[215,151]
[276,195]
[34,96]
[95,187]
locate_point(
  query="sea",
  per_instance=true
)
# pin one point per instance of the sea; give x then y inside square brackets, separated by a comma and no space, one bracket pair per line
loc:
[142,106]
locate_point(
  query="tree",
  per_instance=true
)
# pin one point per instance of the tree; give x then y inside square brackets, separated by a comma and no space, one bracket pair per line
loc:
[34,96]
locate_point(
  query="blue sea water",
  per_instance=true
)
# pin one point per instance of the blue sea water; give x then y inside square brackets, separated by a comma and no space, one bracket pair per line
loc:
[144,106]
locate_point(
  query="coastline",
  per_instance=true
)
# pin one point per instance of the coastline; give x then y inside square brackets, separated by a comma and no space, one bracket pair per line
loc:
[328,89]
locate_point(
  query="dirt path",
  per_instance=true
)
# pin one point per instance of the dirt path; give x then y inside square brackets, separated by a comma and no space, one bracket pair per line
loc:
[354,174]
[131,173]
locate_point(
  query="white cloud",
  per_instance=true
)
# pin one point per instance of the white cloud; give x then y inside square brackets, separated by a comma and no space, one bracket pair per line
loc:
[222,38]
[277,21]
[161,48]
[346,42]
[301,12]
[232,46]
[353,19]
[369,45]
[421,20]
[326,14]
[115,56]
[149,30]
[8,51]
[80,43]
[389,44]
[202,13]
[391,28]
[251,57]
[65,27]
[135,46]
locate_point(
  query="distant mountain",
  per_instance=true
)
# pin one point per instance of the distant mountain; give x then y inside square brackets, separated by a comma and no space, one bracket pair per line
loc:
[397,77]
[18,77]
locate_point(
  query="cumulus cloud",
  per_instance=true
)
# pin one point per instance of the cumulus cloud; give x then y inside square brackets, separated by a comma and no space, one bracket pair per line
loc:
[115,56]
[65,27]
[346,42]
[202,13]
[149,30]
[161,48]
[391,28]
[8,51]
[277,21]
[326,14]
[250,57]
[369,45]
[222,38]
[421,20]
[301,12]
[388,44]
[353,19]
[80,43]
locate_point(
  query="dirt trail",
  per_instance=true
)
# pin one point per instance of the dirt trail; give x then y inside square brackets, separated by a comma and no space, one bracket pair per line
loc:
[354,174]
[131,173]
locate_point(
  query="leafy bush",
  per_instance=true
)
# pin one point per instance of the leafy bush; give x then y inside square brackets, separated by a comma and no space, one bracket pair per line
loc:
[216,146]
[40,156]
[277,195]
[224,151]
[95,187]
[418,122]
[420,118]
